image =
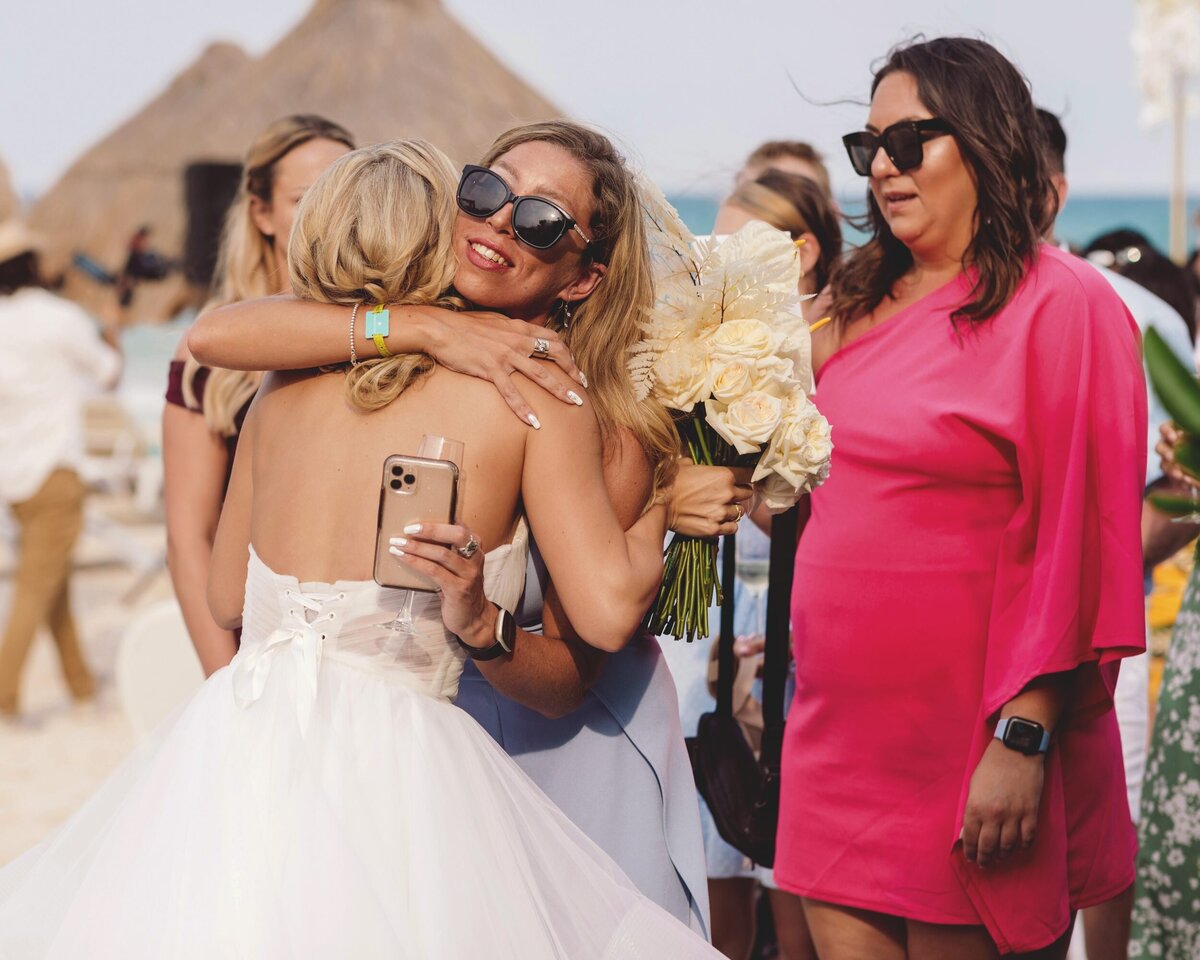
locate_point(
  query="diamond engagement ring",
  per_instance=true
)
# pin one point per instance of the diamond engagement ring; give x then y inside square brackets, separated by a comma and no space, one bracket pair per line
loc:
[470,549]
[541,348]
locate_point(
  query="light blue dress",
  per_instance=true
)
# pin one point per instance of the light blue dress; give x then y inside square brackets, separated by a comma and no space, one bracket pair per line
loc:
[617,766]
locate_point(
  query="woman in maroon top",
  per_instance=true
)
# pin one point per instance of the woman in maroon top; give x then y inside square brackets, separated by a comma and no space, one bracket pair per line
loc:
[205,406]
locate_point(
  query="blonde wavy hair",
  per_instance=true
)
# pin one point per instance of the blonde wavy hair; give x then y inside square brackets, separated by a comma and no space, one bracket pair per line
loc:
[377,228]
[246,260]
[604,327]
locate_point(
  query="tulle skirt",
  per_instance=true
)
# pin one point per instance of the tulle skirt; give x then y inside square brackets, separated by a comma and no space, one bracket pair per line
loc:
[385,823]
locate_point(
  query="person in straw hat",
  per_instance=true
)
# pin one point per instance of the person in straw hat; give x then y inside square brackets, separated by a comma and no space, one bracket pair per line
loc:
[41,435]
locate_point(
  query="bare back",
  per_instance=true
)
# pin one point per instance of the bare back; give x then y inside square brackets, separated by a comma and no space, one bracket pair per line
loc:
[318,462]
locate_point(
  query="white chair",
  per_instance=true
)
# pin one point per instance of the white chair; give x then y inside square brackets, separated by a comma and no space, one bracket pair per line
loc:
[157,667]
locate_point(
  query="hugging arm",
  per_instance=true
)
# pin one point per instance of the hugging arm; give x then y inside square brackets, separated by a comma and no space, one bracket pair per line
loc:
[553,671]
[283,333]
[605,576]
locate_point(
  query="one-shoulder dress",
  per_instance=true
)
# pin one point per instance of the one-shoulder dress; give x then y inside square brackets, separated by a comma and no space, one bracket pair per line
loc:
[322,797]
[980,528]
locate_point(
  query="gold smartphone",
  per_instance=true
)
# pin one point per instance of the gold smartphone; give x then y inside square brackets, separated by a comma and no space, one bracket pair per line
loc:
[414,490]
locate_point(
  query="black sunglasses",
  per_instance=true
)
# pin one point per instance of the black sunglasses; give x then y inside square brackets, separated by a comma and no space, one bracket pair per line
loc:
[903,142]
[536,221]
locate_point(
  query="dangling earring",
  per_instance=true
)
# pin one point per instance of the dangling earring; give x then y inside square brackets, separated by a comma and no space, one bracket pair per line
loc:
[564,313]
[798,243]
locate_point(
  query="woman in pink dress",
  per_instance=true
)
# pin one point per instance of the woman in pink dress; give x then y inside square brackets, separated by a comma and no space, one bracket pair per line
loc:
[971,573]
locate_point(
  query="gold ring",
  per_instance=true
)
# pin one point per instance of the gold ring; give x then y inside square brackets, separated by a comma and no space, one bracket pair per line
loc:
[541,348]
[739,513]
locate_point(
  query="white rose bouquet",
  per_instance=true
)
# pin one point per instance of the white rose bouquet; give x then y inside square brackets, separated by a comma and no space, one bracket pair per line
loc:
[726,349]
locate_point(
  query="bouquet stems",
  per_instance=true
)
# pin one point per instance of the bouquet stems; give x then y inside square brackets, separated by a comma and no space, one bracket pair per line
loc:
[691,582]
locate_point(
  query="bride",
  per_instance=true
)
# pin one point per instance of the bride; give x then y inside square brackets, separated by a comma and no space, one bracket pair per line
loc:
[322,796]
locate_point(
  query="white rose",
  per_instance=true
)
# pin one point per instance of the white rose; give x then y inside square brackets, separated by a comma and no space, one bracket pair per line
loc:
[774,375]
[801,448]
[733,380]
[746,423]
[745,340]
[681,375]
[777,494]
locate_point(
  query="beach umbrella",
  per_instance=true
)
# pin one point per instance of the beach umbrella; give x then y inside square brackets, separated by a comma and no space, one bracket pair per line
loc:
[1166,41]
[381,68]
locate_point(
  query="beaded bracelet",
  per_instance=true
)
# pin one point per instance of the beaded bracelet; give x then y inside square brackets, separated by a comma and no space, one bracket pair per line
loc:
[353,352]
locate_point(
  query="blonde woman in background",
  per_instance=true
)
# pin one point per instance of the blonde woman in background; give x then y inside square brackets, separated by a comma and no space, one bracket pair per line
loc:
[800,207]
[205,406]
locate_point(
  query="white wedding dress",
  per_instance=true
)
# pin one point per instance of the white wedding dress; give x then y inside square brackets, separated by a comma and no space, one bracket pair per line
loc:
[323,798]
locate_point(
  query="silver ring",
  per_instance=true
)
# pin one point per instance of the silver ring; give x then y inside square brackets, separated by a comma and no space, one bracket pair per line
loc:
[469,549]
[541,348]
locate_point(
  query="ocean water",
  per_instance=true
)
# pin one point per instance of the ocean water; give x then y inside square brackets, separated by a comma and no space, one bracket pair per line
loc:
[149,348]
[1082,219]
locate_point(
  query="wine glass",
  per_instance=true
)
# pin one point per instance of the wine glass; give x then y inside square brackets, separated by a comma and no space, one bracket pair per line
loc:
[432,448]
[753,571]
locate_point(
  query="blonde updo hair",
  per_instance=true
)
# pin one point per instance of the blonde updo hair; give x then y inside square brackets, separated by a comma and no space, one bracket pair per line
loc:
[377,228]
[246,259]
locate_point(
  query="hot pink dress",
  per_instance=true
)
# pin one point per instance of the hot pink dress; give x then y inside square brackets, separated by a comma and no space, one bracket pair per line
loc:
[980,528]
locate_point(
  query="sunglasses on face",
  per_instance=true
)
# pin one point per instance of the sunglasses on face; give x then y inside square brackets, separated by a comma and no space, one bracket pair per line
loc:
[536,221]
[903,142]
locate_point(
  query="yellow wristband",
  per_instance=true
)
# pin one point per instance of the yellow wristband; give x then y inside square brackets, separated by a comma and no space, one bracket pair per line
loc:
[381,345]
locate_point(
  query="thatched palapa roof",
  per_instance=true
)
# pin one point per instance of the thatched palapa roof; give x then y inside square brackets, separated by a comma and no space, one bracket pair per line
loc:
[381,68]
[10,204]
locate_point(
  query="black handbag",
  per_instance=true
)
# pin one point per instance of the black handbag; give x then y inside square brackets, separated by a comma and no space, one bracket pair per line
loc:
[741,790]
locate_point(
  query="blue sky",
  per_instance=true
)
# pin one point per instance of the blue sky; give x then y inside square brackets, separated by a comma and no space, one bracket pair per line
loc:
[689,88]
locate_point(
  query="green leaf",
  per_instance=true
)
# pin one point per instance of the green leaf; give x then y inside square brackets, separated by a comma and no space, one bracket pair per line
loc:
[1174,383]
[1174,505]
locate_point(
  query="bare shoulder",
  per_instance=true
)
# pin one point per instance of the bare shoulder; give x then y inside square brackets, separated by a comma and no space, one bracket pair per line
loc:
[181,349]
[824,345]
[553,413]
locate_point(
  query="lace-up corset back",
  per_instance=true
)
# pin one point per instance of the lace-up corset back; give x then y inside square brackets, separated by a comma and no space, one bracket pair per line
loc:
[354,622]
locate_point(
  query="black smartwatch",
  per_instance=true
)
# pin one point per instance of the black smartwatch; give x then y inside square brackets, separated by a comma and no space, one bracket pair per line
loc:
[1025,736]
[506,638]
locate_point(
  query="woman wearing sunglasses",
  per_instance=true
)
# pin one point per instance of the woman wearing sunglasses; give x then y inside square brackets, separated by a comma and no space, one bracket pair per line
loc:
[550,234]
[320,797]
[971,573]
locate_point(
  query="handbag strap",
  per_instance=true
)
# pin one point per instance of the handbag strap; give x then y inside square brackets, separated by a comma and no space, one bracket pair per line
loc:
[726,666]
[784,529]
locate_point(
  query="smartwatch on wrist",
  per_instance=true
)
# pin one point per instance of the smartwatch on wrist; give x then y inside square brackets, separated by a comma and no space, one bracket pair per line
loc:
[506,638]
[1025,736]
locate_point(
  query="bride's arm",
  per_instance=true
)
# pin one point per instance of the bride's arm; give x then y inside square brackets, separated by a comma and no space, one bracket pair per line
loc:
[605,576]
[283,333]
[226,587]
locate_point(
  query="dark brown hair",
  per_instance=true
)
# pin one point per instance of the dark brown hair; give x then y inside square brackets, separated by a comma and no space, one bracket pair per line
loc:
[986,100]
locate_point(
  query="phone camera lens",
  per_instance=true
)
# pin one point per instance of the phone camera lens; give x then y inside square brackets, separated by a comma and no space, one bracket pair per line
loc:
[409,478]
[396,471]
[395,484]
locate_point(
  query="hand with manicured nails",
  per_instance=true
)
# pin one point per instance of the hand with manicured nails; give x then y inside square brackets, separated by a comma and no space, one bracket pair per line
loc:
[432,549]
[490,346]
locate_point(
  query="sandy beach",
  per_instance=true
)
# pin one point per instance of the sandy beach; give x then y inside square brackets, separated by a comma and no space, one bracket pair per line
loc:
[52,761]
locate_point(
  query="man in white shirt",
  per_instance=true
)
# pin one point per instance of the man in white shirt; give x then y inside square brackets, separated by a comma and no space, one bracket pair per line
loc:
[51,356]
[1107,925]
